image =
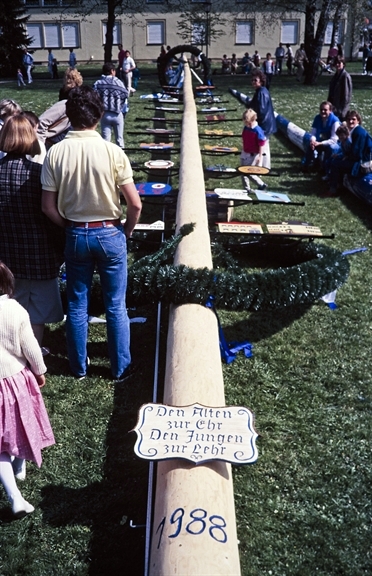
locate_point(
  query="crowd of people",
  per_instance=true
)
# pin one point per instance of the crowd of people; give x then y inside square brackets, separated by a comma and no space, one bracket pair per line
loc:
[28,65]
[339,145]
[274,63]
[61,188]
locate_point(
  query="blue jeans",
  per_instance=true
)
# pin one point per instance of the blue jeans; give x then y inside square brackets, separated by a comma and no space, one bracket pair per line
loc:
[322,154]
[114,121]
[106,250]
[339,166]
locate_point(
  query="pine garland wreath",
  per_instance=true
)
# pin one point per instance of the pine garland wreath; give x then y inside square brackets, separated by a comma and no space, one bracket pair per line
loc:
[318,270]
[321,270]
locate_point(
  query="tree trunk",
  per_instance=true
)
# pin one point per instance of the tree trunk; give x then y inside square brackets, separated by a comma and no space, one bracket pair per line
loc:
[311,68]
[336,24]
[314,40]
[111,6]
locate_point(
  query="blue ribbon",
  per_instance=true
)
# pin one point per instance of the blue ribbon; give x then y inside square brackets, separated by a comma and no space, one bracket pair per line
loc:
[348,252]
[229,350]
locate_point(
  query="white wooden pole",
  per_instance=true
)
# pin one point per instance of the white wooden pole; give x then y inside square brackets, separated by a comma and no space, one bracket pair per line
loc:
[194,526]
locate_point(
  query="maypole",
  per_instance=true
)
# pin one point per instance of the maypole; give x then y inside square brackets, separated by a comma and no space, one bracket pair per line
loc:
[194,526]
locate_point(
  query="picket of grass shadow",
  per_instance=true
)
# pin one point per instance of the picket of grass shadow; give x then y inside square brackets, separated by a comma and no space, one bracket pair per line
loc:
[193,375]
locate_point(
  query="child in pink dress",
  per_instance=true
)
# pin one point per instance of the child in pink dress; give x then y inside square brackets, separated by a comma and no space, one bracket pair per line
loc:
[24,424]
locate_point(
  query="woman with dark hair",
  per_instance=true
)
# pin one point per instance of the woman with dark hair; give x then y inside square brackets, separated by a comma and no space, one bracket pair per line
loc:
[358,151]
[26,239]
[261,103]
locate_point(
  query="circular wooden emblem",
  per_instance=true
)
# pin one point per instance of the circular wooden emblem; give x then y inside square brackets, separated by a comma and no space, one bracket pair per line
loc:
[153,188]
[159,164]
[258,170]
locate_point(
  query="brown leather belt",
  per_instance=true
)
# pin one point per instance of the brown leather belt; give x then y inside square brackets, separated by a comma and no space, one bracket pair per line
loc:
[97,224]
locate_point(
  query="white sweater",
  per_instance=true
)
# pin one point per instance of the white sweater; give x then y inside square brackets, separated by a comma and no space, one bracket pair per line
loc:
[17,341]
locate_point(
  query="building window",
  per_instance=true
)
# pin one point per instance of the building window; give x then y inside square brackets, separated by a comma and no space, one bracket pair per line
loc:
[50,35]
[339,36]
[244,31]
[198,33]
[116,33]
[70,36]
[49,3]
[155,30]
[289,33]
[35,32]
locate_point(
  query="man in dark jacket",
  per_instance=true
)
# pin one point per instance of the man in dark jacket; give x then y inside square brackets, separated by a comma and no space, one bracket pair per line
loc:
[340,89]
[261,103]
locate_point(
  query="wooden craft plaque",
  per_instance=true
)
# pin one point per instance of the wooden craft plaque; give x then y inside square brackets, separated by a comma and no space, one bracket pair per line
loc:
[156,145]
[265,196]
[158,225]
[213,110]
[153,188]
[159,164]
[216,117]
[232,194]
[203,87]
[293,228]
[240,227]
[168,108]
[257,170]
[160,131]
[219,132]
[220,168]
[211,148]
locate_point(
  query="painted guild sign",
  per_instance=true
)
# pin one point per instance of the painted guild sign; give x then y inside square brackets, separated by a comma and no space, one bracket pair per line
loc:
[196,433]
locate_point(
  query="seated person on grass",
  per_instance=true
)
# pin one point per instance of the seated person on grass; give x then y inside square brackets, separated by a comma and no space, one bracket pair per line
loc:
[359,151]
[340,150]
[323,138]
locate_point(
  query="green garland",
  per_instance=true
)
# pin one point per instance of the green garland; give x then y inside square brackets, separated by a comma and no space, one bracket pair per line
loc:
[318,270]
[322,270]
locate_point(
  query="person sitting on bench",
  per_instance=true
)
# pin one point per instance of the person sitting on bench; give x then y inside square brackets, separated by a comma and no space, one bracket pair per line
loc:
[323,139]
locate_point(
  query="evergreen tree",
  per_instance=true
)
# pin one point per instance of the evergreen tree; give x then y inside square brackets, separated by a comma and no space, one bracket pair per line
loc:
[13,35]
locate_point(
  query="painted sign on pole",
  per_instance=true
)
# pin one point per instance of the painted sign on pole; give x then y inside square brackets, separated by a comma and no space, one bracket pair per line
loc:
[197,433]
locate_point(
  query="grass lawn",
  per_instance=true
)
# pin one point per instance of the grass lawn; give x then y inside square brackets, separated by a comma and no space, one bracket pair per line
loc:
[305,507]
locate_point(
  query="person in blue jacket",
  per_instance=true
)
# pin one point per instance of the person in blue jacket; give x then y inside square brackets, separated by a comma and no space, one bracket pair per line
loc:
[261,103]
[359,151]
[323,140]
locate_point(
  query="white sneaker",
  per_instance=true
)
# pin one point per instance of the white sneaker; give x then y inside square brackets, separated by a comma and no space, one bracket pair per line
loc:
[21,507]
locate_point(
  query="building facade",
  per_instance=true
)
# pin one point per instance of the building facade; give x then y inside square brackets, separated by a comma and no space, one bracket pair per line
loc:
[150,24]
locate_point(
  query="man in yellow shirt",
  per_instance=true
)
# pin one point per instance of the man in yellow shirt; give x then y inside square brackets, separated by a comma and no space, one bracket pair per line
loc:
[82,178]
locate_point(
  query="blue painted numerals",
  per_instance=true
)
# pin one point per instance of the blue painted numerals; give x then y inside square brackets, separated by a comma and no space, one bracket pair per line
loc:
[194,523]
